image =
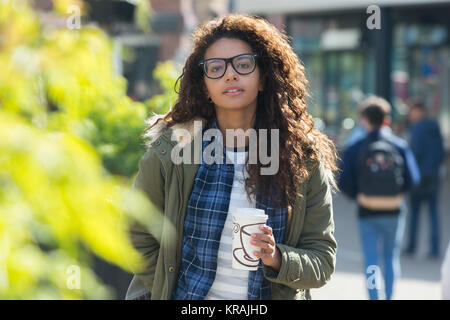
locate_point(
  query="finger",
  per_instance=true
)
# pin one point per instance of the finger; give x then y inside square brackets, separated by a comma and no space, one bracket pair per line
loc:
[262,255]
[264,237]
[262,245]
[266,229]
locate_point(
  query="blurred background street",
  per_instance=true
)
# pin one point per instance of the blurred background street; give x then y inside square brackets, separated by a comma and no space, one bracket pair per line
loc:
[421,276]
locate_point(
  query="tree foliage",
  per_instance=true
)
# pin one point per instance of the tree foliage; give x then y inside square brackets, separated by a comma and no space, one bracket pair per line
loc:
[69,138]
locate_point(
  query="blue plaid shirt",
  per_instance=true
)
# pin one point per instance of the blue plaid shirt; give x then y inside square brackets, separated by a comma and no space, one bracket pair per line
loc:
[206,213]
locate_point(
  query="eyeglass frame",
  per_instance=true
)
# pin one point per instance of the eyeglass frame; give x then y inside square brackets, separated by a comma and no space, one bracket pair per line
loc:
[228,60]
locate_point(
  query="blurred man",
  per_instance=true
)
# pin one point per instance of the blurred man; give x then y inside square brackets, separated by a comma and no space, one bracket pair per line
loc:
[376,172]
[427,146]
[360,132]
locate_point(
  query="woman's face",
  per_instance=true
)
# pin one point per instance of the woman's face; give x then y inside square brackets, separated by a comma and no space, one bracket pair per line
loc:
[244,88]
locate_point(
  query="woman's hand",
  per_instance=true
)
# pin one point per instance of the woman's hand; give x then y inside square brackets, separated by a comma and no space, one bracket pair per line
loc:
[269,253]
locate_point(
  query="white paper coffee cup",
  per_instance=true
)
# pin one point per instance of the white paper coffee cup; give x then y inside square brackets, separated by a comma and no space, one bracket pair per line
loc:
[245,222]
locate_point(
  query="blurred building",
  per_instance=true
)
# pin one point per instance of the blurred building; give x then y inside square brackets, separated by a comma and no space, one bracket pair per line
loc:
[408,56]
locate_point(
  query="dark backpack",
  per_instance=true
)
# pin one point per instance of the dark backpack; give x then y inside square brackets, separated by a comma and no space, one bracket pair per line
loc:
[381,169]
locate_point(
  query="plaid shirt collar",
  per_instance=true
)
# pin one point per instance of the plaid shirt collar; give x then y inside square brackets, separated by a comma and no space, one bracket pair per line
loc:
[206,213]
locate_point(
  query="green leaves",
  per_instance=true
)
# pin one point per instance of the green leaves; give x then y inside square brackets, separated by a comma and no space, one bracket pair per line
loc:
[167,74]
[54,193]
[69,143]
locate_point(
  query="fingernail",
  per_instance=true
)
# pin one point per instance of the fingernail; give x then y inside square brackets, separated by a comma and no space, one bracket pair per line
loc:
[253,235]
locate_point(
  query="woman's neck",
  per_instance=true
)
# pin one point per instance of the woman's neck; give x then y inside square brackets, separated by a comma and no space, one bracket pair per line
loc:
[233,120]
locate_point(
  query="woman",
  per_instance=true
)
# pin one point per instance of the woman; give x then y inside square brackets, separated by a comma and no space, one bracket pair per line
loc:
[242,74]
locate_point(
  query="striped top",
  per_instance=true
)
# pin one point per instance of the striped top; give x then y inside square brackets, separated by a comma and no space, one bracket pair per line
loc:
[231,284]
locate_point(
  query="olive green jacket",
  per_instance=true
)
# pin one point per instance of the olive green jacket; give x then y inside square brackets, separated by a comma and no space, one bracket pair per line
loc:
[309,249]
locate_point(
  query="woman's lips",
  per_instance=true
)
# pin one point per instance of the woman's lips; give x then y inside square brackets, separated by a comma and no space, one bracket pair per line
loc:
[233,92]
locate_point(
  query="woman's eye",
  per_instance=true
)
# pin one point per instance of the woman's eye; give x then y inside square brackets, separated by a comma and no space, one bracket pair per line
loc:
[216,68]
[244,65]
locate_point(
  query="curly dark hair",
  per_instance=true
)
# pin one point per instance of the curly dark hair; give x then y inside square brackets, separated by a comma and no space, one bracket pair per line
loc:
[281,105]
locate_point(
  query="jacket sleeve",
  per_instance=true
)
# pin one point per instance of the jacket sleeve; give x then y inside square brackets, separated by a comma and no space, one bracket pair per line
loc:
[412,172]
[311,263]
[150,179]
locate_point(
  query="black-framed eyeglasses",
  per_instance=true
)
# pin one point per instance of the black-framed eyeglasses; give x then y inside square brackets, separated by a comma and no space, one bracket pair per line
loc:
[215,68]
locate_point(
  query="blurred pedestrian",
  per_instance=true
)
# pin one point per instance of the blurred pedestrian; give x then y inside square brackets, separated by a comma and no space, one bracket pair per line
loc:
[376,172]
[359,132]
[427,145]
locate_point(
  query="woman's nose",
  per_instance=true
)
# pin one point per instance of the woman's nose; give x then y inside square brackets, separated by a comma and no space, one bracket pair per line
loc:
[230,73]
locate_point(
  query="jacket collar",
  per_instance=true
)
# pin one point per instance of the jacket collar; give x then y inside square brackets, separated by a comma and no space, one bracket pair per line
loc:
[178,133]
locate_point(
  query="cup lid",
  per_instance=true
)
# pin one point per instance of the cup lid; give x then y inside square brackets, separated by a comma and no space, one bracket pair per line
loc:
[249,212]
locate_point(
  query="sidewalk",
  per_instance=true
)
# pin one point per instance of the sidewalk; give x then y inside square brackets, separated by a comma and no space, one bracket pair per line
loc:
[420,279]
